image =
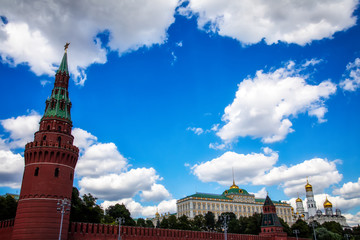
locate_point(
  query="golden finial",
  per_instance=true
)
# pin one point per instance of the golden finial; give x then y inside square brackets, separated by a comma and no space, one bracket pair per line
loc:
[66,46]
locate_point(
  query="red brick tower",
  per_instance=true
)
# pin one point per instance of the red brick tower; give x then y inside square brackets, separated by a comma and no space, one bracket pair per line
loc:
[270,223]
[50,162]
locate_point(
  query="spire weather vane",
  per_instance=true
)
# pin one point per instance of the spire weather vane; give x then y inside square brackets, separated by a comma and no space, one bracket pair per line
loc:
[66,46]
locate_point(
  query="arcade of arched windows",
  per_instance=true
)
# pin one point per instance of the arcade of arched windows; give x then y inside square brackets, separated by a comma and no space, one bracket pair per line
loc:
[57,126]
[33,156]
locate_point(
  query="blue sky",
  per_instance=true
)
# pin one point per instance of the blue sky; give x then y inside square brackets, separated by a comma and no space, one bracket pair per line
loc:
[168,97]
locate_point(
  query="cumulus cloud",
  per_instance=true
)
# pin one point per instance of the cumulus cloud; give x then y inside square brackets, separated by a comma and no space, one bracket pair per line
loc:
[121,185]
[36,31]
[349,190]
[246,167]
[321,172]
[264,105]
[259,169]
[100,159]
[21,129]
[262,193]
[197,131]
[138,210]
[252,21]
[352,76]
[83,139]
[11,169]
[352,220]
[157,193]
[218,146]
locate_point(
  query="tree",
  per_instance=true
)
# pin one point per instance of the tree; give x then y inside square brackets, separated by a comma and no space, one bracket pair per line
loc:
[323,234]
[85,209]
[119,210]
[173,222]
[333,227]
[164,223]
[198,223]
[254,224]
[286,227]
[8,207]
[303,227]
[183,222]
[209,221]
[141,222]
[149,224]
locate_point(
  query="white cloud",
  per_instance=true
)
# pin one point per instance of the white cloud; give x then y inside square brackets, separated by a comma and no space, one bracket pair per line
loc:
[218,146]
[122,185]
[352,220]
[321,172]
[262,193]
[11,169]
[83,139]
[264,105]
[21,129]
[251,21]
[138,210]
[100,159]
[349,190]
[157,193]
[352,76]
[197,131]
[37,30]
[246,167]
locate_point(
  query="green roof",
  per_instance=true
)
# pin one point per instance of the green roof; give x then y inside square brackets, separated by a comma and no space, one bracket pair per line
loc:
[59,104]
[63,65]
[238,191]
[207,195]
[263,200]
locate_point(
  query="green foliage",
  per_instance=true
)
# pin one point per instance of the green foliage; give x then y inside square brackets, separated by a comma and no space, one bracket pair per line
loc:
[173,222]
[333,227]
[209,221]
[253,224]
[286,227]
[198,223]
[303,227]
[85,209]
[8,207]
[119,210]
[141,222]
[149,224]
[323,234]
[164,223]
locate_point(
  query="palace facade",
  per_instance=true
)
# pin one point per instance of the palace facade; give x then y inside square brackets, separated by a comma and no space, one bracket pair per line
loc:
[235,200]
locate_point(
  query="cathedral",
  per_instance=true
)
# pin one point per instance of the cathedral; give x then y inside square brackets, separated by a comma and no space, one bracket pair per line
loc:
[315,214]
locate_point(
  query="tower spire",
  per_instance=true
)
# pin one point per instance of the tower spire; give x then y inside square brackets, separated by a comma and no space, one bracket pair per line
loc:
[50,161]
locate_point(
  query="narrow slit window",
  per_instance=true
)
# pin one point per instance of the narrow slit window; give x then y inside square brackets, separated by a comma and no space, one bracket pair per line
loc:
[36,173]
[57,172]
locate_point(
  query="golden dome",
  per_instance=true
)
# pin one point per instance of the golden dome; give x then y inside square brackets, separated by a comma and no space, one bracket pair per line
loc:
[298,200]
[308,187]
[327,204]
[234,186]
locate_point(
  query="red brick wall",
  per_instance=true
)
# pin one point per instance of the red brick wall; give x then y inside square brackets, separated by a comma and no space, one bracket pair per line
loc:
[6,228]
[88,231]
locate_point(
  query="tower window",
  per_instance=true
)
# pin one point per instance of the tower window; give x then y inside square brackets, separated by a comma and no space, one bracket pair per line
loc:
[62,92]
[71,176]
[56,174]
[48,127]
[59,128]
[59,140]
[36,173]
[44,137]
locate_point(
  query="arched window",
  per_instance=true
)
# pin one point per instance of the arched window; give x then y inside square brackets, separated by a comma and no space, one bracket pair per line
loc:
[57,172]
[44,137]
[48,127]
[36,173]
[59,128]
[59,140]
